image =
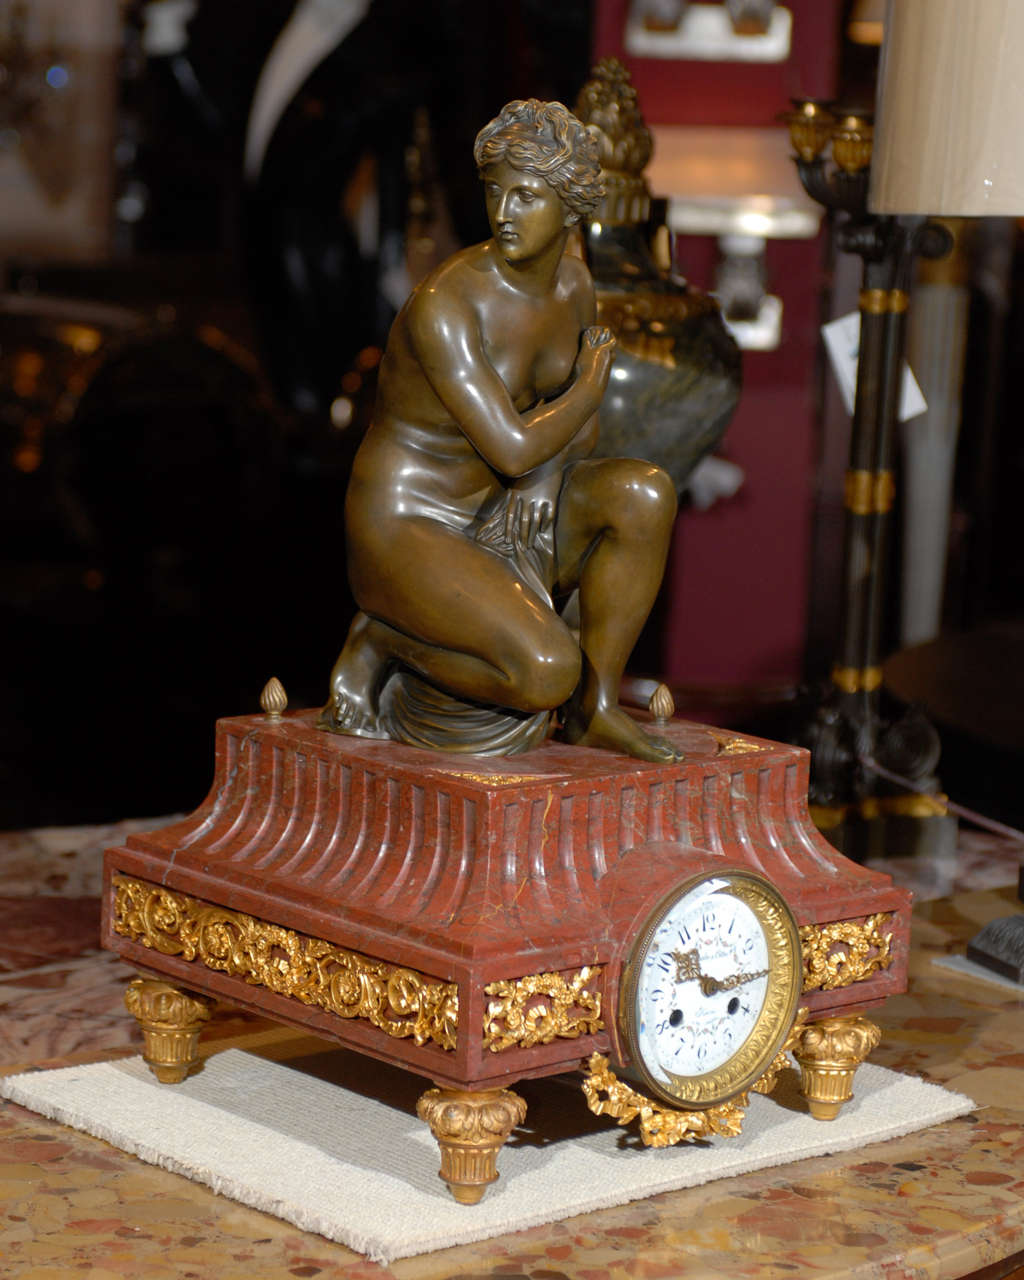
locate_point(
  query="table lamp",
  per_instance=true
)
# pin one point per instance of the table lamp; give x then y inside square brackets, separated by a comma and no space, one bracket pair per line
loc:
[948,142]
[950,107]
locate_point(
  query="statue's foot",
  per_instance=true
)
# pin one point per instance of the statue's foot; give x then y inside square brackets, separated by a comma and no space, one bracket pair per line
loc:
[614,730]
[355,683]
[347,713]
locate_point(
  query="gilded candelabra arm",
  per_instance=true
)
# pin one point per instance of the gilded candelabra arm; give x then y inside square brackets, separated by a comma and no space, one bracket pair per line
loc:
[834,188]
[819,133]
[833,149]
[810,125]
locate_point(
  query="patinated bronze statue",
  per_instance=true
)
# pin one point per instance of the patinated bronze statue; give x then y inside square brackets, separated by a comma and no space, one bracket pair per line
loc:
[474,505]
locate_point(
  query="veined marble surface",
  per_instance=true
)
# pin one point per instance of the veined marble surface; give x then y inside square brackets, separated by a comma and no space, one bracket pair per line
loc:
[943,1203]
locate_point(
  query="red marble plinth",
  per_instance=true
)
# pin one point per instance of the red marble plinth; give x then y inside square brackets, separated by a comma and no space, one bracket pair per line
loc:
[469,871]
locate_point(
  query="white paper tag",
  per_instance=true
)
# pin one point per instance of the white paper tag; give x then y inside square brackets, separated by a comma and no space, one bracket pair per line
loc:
[842,342]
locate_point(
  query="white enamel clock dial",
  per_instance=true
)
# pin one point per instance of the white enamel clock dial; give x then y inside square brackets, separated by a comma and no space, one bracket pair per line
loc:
[711,987]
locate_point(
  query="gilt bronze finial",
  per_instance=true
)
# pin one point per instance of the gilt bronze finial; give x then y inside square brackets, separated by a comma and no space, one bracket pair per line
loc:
[662,705]
[273,699]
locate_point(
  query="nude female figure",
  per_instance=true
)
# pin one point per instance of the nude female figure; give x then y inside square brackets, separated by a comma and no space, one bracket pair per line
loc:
[478,454]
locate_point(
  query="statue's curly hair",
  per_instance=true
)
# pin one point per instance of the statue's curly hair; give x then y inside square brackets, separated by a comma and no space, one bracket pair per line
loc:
[546,139]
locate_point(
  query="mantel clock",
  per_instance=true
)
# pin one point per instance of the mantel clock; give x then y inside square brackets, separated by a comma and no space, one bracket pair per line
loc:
[421,871]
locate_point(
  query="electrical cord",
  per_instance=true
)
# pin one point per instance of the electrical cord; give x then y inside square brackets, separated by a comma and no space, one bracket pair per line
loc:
[979,819]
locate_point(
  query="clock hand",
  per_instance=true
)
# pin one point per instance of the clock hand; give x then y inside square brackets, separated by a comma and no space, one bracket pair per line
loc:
[687,965]
[688,970]
[711,986]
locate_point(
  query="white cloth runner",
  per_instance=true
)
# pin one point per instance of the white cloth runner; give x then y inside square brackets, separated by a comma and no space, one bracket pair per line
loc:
[971,969]
[342,1162]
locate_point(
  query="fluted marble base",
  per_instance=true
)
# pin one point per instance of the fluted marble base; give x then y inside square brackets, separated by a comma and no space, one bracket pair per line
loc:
[469,918]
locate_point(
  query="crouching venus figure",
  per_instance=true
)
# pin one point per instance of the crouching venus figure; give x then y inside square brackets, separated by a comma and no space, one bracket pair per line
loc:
[502,575]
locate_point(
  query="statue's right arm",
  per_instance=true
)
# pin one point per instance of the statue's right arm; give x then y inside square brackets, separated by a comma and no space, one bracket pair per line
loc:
[446,339]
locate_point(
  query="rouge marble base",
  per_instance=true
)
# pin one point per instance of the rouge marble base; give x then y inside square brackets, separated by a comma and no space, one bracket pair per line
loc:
[468,918]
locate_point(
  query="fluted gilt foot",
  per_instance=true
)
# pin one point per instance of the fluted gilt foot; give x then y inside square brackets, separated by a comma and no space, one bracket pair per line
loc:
[828,1054]
[171,1022]
[471,1128]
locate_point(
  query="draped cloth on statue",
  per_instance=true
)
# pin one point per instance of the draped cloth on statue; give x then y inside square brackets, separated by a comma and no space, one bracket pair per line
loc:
[420,714]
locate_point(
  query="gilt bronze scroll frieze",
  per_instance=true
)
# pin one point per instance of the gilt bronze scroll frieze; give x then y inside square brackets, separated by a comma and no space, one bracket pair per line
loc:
[541,1008]
[396,1000]
[845,951]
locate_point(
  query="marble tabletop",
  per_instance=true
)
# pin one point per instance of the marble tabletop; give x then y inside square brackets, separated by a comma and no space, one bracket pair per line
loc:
[946,1202]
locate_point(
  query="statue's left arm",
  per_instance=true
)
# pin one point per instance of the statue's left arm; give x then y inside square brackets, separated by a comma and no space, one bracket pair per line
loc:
[533,497]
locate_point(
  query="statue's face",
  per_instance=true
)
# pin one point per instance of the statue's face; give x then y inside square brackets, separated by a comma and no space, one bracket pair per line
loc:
[526,215]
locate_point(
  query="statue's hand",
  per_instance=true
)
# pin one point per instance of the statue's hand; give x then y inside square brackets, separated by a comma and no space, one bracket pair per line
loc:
[526,519]
[598,335]
[597,349]
[524,523]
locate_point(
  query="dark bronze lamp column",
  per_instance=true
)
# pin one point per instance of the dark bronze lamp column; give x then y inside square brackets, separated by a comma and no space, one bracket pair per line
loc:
[949,144]
[847,731]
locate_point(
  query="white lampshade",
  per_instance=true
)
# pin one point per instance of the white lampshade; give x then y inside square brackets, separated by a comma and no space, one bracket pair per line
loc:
[949,133]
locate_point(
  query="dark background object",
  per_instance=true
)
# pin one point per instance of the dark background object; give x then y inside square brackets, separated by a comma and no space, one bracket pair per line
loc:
[165,495]
[1000,947]
[157,518]
[969,683]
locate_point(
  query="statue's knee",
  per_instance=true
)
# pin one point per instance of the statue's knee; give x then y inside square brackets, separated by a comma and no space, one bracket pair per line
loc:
[641,503]
[652,492]
[550,674]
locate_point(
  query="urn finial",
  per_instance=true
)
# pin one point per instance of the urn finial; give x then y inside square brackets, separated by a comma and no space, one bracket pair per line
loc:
[607,105]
